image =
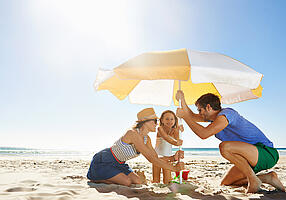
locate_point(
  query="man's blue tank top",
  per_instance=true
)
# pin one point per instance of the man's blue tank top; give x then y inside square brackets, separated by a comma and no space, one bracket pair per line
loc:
[240,129]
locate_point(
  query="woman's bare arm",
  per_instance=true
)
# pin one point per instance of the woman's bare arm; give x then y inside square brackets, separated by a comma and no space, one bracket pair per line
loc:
[149,153]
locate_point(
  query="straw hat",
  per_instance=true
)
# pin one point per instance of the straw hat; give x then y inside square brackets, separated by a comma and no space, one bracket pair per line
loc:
[145,114]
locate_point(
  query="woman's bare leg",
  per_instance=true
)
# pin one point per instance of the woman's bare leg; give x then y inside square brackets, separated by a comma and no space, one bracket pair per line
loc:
[120,179]
[135,179]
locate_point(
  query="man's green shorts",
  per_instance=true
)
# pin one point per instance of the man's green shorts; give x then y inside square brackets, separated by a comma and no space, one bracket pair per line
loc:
[267,157]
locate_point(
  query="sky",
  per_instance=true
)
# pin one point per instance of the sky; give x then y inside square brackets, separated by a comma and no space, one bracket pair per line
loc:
[51,50]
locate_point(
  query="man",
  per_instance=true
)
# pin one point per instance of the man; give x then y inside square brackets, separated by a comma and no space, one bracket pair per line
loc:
[243,144]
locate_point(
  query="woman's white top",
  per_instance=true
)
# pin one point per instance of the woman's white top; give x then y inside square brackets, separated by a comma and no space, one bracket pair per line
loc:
[163,148]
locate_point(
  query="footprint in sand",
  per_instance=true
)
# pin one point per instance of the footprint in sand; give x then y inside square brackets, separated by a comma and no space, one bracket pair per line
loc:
[29,181]
[20,189]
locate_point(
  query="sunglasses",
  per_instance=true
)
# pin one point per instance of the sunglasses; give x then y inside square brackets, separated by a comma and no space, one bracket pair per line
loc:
[155,120]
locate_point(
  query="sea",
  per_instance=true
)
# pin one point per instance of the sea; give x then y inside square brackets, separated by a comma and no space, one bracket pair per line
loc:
[34,152]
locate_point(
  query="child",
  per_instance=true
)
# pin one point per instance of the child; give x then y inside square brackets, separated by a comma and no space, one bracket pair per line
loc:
[167,135]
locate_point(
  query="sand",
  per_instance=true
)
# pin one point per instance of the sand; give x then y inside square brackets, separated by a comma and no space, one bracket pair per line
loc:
[37,178]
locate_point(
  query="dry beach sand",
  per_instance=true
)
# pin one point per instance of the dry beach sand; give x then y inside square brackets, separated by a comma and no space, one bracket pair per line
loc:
[37,178]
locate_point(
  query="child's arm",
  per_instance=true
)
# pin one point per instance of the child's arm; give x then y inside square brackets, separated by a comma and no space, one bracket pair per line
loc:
[176,132]
[171,140]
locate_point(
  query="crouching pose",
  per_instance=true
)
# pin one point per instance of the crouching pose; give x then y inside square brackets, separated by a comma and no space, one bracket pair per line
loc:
[243,144]
[108,166]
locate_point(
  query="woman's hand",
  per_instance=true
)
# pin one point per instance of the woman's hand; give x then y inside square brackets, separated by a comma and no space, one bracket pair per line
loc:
[179,154]
[179,166]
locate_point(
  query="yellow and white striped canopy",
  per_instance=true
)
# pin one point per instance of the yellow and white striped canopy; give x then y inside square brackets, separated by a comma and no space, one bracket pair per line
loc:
[153,78]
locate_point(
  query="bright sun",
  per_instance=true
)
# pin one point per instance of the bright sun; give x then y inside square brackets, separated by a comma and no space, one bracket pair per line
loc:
[105,20]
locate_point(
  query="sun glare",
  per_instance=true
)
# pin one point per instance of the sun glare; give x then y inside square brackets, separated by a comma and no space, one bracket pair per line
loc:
[106,20]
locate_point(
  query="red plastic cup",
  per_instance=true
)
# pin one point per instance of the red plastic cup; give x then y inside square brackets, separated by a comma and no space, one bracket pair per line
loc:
[185,174]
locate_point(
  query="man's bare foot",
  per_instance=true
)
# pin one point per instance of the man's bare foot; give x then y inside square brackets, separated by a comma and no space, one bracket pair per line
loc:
[253,185]
[272,179]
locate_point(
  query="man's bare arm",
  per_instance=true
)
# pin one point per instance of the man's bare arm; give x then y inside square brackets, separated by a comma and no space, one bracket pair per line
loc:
[186,109]
[205,132]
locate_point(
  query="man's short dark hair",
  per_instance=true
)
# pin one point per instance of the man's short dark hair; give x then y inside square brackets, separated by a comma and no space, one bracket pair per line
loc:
[211,99]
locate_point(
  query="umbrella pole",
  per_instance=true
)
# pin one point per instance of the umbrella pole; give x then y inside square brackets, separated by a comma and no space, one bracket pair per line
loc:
[180,135]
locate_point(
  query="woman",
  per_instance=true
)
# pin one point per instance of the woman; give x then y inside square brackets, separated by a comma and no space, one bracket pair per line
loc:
[108,166]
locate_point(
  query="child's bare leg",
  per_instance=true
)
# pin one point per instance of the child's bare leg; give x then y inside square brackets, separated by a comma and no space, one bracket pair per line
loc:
[167,173]
[166,176]
[156,171]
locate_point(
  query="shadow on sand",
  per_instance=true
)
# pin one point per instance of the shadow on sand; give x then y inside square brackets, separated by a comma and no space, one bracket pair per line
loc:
[148,193]
[269,195]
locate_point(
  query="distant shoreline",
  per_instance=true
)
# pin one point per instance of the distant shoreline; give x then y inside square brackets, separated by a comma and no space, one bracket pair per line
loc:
[27,152]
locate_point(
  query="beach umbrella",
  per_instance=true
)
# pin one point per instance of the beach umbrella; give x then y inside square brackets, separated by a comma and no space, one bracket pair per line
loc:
[154,77]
